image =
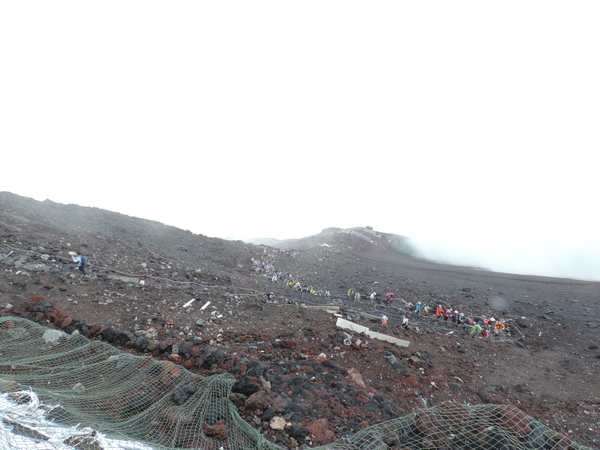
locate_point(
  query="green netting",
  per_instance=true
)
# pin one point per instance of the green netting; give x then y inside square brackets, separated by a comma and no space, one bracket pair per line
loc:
[128,401]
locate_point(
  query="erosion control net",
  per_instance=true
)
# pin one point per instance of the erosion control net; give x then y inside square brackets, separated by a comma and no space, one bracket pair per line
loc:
[61,391]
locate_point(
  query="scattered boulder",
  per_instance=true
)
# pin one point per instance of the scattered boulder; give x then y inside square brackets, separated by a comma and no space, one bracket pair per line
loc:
[245,386]
[319,432]
[109,334]
[217,431]
[278,423]
[181,395]
[356,377]
[213,359]
[298,432]
[259,400]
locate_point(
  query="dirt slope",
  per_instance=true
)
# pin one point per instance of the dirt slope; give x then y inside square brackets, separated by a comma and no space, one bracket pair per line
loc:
[292,361]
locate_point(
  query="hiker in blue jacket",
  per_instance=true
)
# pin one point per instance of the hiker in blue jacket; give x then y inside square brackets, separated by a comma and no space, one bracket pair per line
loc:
[80,260]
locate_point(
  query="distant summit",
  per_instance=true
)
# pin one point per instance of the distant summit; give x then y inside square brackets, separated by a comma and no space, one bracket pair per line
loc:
[346,237]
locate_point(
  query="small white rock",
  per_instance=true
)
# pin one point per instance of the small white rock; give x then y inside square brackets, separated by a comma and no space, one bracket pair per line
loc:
[278,423]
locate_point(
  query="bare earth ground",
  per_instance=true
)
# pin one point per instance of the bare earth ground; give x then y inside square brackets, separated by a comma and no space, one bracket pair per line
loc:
[292,361]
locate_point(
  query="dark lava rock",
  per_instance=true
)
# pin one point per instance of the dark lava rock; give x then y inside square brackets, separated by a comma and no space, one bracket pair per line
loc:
[109,334]
[141,343]
[181,395]
[213,359]
[124,337]
[298,432]
[245,386]
[42,307]
[294,411]
[257,371]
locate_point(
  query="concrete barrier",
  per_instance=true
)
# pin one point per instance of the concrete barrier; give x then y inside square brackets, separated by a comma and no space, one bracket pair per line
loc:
[347,325]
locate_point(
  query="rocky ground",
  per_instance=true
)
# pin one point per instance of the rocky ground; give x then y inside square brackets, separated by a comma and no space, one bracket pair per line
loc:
[289,358]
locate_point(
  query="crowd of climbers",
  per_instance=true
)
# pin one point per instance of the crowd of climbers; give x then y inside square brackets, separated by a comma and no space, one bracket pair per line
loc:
[450,315]
[446,314]
[265,266]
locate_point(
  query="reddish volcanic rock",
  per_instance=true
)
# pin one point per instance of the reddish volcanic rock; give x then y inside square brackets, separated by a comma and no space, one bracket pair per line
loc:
[319,432]
[217,431]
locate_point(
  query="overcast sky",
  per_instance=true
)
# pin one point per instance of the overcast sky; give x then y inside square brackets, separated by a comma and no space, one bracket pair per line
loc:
[470,126]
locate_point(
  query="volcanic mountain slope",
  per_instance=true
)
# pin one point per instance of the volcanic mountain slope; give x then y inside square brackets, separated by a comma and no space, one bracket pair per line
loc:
[292,361]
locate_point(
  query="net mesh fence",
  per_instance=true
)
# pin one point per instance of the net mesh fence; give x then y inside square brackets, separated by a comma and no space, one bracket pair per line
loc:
[62,391]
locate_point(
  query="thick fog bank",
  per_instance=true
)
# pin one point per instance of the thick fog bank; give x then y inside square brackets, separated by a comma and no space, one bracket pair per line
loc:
[574,257]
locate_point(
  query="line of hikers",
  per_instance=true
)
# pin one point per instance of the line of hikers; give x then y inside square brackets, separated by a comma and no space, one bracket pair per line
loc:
[295,284]
[476,329]
[384,320]
[265,267]
[447,314]
[353,295]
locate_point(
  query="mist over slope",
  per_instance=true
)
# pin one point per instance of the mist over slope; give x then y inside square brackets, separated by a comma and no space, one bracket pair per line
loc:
[576,258]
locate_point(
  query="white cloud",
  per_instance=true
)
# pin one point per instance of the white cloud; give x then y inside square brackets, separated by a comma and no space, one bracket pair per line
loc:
[459,119]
